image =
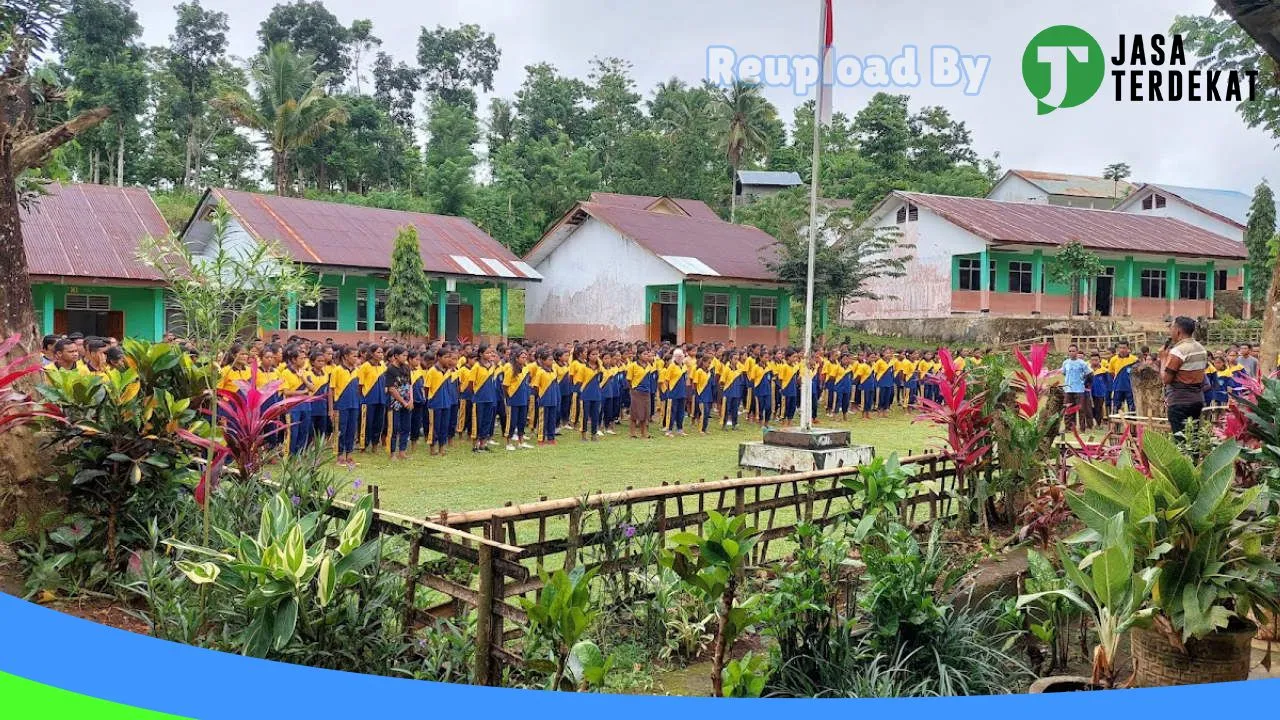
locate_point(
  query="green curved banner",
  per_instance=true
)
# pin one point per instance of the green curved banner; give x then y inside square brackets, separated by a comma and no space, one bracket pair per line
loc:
[22,698]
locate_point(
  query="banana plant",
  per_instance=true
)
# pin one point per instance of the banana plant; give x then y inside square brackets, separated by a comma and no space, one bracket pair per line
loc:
[1113,594]
[713,565]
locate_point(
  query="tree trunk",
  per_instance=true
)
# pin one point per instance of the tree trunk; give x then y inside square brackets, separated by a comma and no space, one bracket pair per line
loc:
[120,159]
[189,157]
[94,166]
[722,640]
[1271,326]
[733,197]
[278,160]
[17,311]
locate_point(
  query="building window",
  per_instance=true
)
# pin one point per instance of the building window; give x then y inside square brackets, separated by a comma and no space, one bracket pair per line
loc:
[1154,200]
[764,311]
[971,274]
[379,310]
[1220,280]
[1019,277]
[322,314]
[668,297]
[91,303]
[1153,284]
[1160,201]
[1192,286]
[715,309]
[908,213]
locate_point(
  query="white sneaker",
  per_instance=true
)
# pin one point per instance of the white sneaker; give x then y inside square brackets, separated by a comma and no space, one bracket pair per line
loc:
[492,442]
[610,432]
[599,433]
[526,446]
[729,424]
[511,448]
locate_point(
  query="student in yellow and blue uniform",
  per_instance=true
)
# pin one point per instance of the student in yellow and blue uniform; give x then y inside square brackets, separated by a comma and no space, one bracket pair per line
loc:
[885,379]
[610,391]
[292,384]
[586,378]
[1219,382]
[317,375]
[418,391]
[485,389]
[731,382]
[870,384]
[565,365]
[704,389]
[910,371]
[515,385]
[399,384]
[760,376]
[673,383]
[463,415]
[373,397]
[843,385]
[235,369]
[545,383]
[1120,367]
[344,382]
[789,386]
[642,379]
[436,382]
[268,373]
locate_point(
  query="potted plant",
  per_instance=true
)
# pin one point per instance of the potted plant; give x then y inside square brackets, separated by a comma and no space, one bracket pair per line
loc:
[1190,524]
[1105,585]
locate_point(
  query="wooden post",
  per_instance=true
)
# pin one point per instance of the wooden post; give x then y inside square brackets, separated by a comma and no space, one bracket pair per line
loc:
[411,582]
[575,536]
[484,617]
[498,592]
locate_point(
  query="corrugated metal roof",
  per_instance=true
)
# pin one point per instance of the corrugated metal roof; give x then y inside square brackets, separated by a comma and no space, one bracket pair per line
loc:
[728,250]
[694,208]
[1054,225]
[91,231]
[690,265]
[1075,185]
[764,177]
[1230,204]
[324,233]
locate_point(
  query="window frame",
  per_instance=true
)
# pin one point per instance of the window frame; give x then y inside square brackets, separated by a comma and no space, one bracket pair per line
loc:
[1191,287]
[1024,270]
[1147,277]
[712,305]
[761,306]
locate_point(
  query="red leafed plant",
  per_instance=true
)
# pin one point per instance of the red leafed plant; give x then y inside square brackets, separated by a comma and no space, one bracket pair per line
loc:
[1031,379]
[17,408]
[248,422]
[1046,512]
[1110,448]
[960,413]
[216,462]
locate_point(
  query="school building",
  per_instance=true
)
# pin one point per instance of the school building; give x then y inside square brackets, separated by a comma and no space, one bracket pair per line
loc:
[349,249]
[627,267]
[81,243]
[974,255]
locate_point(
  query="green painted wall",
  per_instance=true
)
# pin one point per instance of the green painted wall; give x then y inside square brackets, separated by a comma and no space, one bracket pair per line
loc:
[737,295]
[349,286]
[143,307]
[1120,289]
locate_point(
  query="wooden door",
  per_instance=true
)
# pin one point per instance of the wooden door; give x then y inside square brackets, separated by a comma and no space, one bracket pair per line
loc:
[688,325]
[115,324]
[59,322]
[466,315]
[655,323]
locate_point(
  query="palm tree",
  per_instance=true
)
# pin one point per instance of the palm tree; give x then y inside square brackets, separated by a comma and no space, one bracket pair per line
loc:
[1115,172]
[291,108]
[743,115]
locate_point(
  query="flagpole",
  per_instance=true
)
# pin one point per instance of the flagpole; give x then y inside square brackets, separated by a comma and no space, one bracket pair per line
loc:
[806,387]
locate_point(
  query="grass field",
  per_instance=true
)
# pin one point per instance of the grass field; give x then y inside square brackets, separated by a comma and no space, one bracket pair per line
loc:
[463,480]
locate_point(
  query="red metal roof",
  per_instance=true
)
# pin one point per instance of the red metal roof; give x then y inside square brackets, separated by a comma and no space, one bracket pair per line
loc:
[1038,224]
[694,208]
[729,250]
[91,231]
[324,233]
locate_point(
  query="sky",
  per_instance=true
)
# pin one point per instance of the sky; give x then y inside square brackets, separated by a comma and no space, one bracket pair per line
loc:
[1193,144]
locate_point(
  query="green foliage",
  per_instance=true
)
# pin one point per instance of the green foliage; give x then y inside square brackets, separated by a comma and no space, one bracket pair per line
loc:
[454,62]
[1050,617]
[312,29]
[801,607]
[848,258]
[1115,172]
[1222,44]
[1072,265]
[1258,234]
[1185,530]
[287,581]
[904,582]
[746,677]
[408,291]
[559,617]
[448,182]
[879,489]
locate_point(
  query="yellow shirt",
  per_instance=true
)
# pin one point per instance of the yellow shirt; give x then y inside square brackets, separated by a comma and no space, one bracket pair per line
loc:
[229,376]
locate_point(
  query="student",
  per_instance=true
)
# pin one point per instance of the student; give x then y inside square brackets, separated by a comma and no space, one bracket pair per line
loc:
[642,379]
[911,377]
[545,383]
[843,385]
[466,401]
[789,384]
[1099,390]
[565,365]
[399,384]
[317,376]
[673,383]
[436,381]
[586,378]
[235,369]
[869,384]
[731,382]
[115,358]
[485,390]
[609,392]
[46,349]
[292,384]
[515,385]
[1219,379]
[344,382]
[703,383]
[95,355]
[1119,368]
[373,394]
[418,392]
[760,377]
[885,379]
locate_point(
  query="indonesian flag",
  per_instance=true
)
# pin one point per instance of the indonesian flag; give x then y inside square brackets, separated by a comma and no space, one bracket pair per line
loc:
[826,75]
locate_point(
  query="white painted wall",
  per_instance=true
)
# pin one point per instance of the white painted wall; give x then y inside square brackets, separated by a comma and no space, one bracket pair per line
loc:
[1176,208]
[595,277]
[1013,188]
[925,291]
[236,243]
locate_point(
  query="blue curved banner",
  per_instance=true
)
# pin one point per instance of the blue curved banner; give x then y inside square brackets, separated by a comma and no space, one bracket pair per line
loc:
[59,651]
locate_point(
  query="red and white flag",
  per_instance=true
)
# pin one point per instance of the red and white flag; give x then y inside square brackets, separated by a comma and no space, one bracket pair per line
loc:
[826,77]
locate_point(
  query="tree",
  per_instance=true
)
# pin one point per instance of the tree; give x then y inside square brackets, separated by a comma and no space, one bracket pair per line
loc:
[26,27]
[98,43]
[847,257]
[362,41]
[394,87]
[451,132]
[501,124]
[1072,264]
[370,153]
[198,42]
[408,291]
[615,111]
[291,109]
[1223,45]
[1115,172]
[742,115]
[549,104]
[310,29]
[455,61]
[1259,230]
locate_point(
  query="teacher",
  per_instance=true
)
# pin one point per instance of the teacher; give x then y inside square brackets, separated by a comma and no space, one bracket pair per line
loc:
[1184,362]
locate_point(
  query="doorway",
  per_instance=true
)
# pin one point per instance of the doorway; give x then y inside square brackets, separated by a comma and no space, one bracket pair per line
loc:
[89,323]
[1104,287]
[662,322]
